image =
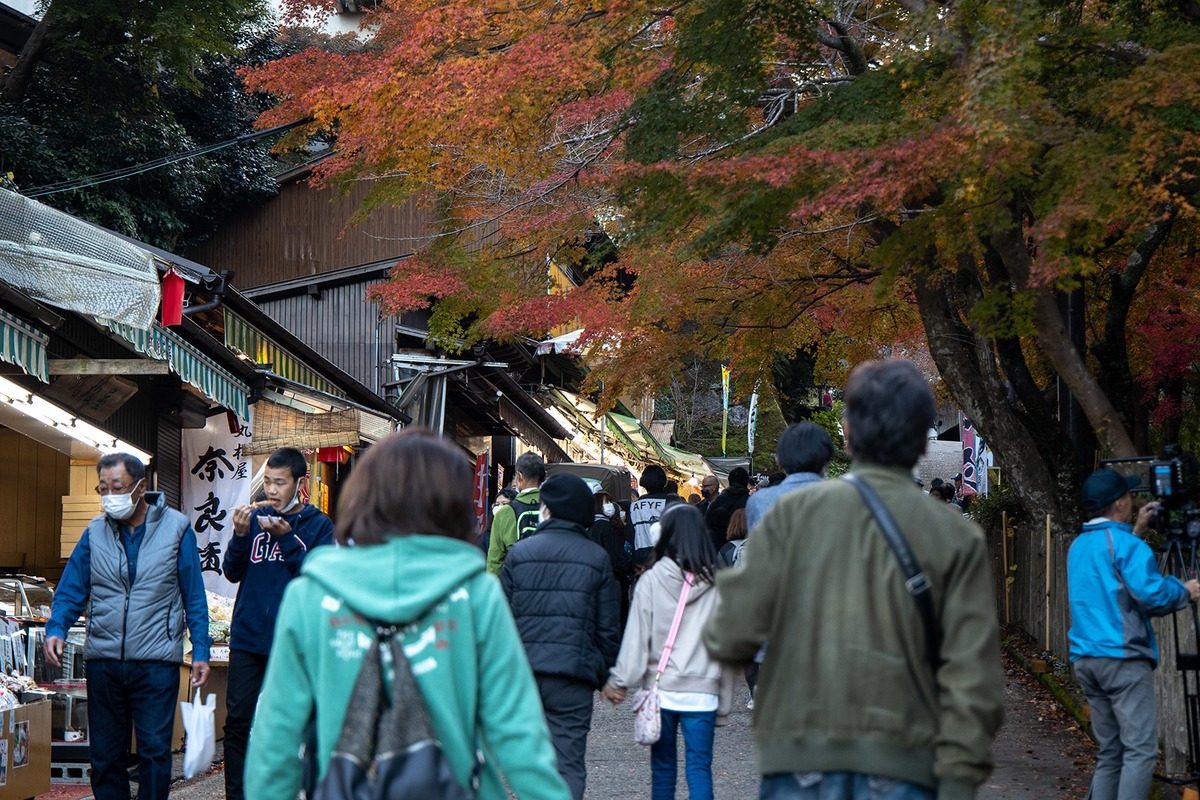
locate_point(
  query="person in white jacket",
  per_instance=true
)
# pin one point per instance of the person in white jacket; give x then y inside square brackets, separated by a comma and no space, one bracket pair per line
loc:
[696,691]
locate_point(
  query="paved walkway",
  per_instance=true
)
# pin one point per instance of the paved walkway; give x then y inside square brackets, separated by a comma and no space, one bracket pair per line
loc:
[1040,753]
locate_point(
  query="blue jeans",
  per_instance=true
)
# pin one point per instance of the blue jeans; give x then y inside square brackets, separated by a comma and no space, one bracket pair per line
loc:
[698,730]
[137,695]
[839,786]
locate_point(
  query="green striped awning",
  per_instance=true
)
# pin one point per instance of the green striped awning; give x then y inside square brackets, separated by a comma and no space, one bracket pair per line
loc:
[188,363]
[242,336]
[23,346]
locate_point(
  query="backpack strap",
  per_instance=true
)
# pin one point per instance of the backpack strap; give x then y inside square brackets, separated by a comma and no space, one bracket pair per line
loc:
[520,509]
[916,581]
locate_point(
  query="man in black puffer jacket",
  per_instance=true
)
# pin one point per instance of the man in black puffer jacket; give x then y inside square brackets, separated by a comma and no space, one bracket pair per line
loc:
[567,608]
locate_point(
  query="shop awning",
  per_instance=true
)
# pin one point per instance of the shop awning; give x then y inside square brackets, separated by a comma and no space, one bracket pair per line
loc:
[23,346]
[531,431]
[192,366]
[627,433]
[287,424]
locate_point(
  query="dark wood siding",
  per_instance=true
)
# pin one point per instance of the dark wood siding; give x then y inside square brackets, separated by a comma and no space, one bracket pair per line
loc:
[303,232]
[344,327]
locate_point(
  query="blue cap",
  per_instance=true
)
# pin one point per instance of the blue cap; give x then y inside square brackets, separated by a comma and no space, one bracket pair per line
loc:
[1104,488]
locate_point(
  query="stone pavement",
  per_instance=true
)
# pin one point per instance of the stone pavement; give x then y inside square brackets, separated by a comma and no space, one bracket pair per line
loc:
[1040,753]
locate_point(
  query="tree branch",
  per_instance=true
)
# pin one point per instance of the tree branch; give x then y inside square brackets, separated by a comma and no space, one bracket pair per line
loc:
[1060,350]
[1112,352]
[21,75]
[1129,52]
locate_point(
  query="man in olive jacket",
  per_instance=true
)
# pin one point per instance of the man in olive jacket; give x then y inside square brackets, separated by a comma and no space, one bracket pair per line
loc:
[847,697]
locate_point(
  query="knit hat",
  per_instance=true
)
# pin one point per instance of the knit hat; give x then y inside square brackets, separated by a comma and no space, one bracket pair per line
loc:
[568,497]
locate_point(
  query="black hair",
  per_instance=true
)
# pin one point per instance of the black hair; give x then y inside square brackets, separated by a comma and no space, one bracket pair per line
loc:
[936,482]
[532,467]
[291,459]
[672,487]
[654,479]
[889,411]
[804,447]
[776,478]
[511,494]
[738,476]
[135,468]
[684,539]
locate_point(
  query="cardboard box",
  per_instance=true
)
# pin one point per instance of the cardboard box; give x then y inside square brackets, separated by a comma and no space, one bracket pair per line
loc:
[25,747]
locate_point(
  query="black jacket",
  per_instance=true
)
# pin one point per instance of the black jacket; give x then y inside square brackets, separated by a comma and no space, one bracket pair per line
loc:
[565,602]
[721,509]
[604,534]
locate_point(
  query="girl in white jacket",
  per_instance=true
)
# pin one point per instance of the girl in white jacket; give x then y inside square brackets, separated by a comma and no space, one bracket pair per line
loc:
[696,691]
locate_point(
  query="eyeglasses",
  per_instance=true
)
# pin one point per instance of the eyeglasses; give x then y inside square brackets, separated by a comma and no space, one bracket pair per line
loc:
[106,490]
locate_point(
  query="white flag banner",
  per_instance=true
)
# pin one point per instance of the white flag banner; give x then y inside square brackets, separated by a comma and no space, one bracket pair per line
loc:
[217,477]
[753,420]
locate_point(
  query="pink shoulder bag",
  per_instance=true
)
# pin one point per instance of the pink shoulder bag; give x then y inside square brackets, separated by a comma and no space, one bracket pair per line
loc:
[647,703]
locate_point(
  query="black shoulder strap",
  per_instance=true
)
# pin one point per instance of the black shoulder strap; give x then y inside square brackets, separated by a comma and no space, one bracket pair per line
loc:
[916,581]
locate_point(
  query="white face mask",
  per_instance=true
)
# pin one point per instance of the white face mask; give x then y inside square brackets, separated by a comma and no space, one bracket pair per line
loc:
[609,509]
[120,506]
[295,500]
[544,515]
[496,508]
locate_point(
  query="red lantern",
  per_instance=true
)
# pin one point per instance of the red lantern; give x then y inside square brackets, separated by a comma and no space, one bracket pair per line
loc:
[335,455]
[172,298]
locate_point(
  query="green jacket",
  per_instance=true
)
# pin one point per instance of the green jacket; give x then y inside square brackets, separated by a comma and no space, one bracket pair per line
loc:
[504,530]
[460,637]
[845,686]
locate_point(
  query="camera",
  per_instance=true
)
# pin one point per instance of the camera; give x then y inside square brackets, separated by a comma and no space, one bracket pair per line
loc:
[1171,479]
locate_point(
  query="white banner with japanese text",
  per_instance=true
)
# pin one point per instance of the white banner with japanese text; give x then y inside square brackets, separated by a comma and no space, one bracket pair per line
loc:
[217,477]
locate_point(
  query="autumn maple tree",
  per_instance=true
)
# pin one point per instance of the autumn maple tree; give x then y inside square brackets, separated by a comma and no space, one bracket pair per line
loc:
[742,179]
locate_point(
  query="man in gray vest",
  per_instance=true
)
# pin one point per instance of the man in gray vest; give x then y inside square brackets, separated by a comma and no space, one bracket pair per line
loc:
[137,571]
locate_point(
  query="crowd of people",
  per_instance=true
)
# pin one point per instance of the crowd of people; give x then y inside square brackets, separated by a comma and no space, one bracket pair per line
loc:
[860,615]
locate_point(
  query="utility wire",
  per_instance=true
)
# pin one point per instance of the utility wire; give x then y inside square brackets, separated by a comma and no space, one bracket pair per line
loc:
[163,161]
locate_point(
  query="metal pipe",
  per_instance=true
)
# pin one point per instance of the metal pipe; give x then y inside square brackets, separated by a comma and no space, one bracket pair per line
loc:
[217,295]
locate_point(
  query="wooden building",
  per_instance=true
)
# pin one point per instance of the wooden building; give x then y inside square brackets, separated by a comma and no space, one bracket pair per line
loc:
[296,258]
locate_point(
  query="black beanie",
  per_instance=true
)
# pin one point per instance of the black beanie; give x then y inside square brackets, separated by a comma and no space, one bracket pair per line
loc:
[569,498]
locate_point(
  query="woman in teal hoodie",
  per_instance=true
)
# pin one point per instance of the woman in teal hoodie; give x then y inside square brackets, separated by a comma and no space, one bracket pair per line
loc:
[408,517]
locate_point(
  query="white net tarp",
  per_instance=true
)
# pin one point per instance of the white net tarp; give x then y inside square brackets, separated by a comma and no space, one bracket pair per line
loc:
[65,262]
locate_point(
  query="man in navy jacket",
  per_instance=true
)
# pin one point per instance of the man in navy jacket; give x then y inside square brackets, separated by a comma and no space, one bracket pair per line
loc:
[266,551]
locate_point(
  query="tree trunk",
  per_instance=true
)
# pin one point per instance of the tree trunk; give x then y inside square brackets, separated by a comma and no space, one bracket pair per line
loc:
[967,363]
[1112,352]
[21,75]
[1060,351]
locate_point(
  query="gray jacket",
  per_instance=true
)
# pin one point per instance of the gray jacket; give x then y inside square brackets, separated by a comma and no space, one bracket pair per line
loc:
[145,621]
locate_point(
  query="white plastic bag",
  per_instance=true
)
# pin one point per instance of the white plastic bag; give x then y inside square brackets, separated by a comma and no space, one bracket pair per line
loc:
[199,726]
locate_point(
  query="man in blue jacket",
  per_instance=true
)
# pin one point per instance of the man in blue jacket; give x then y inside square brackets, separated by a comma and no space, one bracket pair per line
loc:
[135,567]
[1115,588]
[803,453]
[265,552]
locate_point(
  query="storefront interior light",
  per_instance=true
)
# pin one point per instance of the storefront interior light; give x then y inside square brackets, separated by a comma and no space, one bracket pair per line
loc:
[50,415]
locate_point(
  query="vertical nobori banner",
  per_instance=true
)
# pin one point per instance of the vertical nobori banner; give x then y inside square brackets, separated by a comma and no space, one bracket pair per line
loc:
[217,477]
[971,446]
[724,406]
[751,422]
[483,468]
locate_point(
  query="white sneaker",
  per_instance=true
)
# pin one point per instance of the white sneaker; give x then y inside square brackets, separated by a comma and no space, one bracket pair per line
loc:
[750,705]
